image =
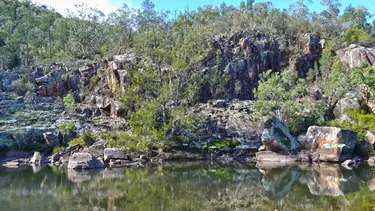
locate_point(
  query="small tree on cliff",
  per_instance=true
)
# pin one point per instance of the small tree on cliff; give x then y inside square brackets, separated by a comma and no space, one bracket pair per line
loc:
[283,95]
[69,101]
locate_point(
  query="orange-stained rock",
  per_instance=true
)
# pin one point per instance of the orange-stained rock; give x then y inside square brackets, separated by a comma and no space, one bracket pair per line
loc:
[331,143]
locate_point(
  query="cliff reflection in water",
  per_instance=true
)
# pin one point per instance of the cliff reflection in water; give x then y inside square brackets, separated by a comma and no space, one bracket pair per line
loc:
[190,186]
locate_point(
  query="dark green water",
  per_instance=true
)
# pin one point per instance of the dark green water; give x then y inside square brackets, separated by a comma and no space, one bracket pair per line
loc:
[189,186]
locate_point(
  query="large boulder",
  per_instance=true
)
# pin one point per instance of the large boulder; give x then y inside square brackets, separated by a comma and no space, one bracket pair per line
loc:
[115,154]
[276,137]
[36,159]
[331,143]
[355,55]
[84,161]
[352,100]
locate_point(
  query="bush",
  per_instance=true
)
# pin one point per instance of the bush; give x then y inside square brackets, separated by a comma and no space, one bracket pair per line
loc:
[359,121]
[87,139]
[76,141]
[69,101]
[357,36]
[118,139]
[284,95]
[67,128]
[57,150]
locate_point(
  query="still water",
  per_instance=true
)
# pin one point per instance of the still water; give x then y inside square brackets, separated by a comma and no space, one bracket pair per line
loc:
[190,186]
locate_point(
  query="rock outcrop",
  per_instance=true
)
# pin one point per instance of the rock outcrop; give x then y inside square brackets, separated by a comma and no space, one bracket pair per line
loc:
[331,143]
[355,55]
[261,52]
[232,121]
[275,137]
[84,161]
[36,159]
[303,61]
[6,79]
[352,100]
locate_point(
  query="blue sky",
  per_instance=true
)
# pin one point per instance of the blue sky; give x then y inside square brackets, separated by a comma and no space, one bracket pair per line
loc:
[180,5]
[110,5]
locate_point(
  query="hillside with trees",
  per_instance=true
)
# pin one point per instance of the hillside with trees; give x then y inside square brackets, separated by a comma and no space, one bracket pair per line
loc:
[145,80]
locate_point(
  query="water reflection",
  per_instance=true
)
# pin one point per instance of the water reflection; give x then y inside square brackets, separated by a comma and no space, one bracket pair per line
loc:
[190,186]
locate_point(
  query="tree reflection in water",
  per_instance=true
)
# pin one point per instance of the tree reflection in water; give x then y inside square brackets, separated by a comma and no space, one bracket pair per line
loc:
[190,186]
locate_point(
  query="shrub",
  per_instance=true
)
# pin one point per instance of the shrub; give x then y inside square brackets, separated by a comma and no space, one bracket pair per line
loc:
[87,139]
[67,128]
[69,101]
[76,141]
[57,150]
[357,36]
[358,121]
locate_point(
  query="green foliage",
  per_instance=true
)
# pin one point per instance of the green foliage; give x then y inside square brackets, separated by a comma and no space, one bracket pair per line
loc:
[57,150]
[284,95]
[222,145]
[87,139]
[76,142]
[119,139]
[36,33]
[67,128]
[69,101]
[217,78]
[358,120]
[357,36]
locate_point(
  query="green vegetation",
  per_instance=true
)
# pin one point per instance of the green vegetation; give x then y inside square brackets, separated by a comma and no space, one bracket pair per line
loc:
[288,97]
[357,36]
[222,144]
[58,150]
[285,96]
[182,65]
[67,127]
[76,142]
[87,139]
[67,130]
[358,121]
[69,101]
[32,33]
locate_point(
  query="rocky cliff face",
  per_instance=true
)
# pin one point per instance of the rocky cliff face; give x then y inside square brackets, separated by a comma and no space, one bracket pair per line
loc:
[247,55]
[233,121]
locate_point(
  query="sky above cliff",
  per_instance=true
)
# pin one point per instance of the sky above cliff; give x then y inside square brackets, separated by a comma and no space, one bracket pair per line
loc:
[180,5]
